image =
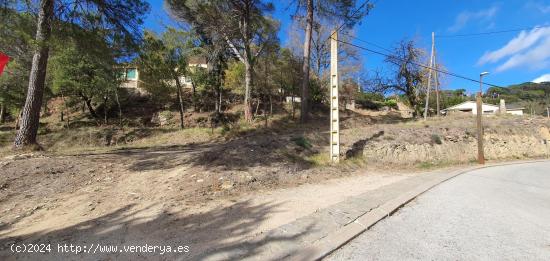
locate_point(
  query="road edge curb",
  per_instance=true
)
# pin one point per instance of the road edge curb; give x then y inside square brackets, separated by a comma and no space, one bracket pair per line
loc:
[325,246]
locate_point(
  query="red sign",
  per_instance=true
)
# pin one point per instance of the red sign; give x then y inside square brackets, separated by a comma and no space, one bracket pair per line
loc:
[4,59]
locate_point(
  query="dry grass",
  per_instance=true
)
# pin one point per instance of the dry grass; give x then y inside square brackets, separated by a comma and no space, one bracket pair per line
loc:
[102,139]
[411,143]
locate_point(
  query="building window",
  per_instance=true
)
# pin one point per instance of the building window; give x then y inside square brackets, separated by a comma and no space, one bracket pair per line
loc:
[131,74]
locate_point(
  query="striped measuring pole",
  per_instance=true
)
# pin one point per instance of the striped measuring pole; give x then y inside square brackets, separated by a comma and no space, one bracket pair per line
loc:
[334,110]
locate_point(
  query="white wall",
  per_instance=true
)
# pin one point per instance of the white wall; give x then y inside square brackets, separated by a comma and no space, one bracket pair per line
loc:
[487,109]
[515,112]
[289,99]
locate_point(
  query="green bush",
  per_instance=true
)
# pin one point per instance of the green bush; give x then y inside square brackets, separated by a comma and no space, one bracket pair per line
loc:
[302,142]
[369,100]
[369,105]
[371,96]
[391,103]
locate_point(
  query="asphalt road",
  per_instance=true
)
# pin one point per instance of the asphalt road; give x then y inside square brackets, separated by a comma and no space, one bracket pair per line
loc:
[500,213]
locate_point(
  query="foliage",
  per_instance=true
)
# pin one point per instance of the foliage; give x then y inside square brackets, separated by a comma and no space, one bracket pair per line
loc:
[408,75]
[391,103]
[12,87]
[119,20]
[234,77]
[318,91]
[164,63]
[535,97]
[369,100]
[302,142]
[241,25]
[77,71]
[159,67]
[15,41]
[287,70]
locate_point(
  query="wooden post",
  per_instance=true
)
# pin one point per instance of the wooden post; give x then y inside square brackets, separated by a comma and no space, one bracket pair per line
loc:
[334,110]
[427,107]
[436,82]
[480,153]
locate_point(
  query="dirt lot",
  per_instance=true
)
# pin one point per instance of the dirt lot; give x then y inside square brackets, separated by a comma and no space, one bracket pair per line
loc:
[117,206]
[143,189]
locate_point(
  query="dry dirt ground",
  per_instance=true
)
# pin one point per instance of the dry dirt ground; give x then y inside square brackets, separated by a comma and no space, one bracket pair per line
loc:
[98,201]
[216,192]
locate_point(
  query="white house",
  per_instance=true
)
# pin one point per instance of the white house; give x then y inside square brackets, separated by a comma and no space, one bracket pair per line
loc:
[471,107]
[130,74]
[515,111]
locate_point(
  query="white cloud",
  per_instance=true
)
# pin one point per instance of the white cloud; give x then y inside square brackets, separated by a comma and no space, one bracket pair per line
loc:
[521,42]
[535,58]
[530,49]
[542,78]
[466,16]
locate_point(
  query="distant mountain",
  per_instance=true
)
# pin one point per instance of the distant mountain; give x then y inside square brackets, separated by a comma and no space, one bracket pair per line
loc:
[535,97]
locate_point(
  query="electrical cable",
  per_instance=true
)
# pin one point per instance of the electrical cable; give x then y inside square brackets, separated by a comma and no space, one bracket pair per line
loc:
[489,33]
[418,64]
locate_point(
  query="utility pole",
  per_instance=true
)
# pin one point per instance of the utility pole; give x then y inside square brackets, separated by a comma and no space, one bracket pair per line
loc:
[548,112]
[426,108]
[480,151]
[334,110]
[436,82]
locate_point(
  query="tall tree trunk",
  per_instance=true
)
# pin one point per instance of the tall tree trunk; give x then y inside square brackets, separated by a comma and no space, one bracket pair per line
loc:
[2,112]
[180,101]
[249,67]
[304,113]
[219,85]
[293,107]
[258,105]
[217,100]
[119,107]
[105,99]
[30,119]
[88,103]
[265,113]
[220,98]
[194,95]
[248,85]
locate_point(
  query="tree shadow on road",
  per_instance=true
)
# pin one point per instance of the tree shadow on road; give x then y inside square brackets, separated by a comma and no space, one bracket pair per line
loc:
[222,233]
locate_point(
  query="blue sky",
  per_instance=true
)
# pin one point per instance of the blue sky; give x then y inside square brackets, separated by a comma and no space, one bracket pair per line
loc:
[512,57]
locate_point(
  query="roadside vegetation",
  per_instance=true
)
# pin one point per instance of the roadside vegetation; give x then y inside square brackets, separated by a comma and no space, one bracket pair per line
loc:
[221,109]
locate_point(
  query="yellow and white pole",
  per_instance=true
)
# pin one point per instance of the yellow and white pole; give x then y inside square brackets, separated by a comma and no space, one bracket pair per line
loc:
[334,110]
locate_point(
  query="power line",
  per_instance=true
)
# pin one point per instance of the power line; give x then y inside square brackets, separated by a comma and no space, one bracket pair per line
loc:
[418,64]
[367,42]
[352,14]
[493,32]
